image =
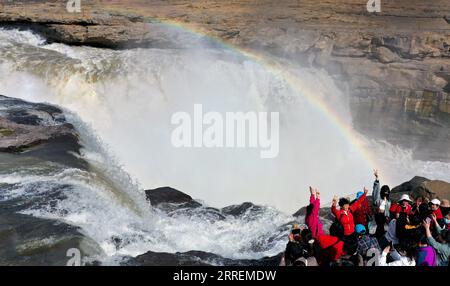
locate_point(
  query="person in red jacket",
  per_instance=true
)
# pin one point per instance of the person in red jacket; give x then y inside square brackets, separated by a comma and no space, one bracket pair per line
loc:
[345,214]
[363,214]
[404,206]
[435,208]
[331,249]
[393,210]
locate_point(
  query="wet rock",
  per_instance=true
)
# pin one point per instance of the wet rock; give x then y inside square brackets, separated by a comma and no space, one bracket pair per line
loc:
[18,137]
[170,195]
[242,209]
[38,130]
[202,213]
[197,258]
[175,203]
[28,241]
[24,125]
[34,135]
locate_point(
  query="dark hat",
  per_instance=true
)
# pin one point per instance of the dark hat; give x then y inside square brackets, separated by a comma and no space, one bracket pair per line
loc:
[385,191]
[343,201]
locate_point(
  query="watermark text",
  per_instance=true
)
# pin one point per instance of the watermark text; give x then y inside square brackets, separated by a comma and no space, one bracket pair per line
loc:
[234,130]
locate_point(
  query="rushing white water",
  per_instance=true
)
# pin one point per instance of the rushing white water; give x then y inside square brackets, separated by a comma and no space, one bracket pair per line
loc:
[127,99]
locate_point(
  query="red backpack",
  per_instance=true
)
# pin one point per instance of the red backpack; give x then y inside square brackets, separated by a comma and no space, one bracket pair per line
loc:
[394,207]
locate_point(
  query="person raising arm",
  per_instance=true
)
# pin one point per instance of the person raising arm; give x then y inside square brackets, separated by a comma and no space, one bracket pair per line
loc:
[376,189]
[312,219]
[358,203]
[344,215]
[442,249]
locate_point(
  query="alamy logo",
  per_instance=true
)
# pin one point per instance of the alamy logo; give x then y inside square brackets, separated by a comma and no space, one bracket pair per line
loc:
[374,257]
[236,130]
[75,257]
[374,6]
[73,6]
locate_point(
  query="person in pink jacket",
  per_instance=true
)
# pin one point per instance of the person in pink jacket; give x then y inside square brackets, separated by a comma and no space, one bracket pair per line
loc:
[312,219]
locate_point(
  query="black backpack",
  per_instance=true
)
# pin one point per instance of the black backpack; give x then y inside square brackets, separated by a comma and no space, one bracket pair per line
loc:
[295,250]
[337,228]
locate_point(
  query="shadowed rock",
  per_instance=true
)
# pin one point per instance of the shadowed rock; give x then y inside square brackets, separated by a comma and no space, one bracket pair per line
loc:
[38,130]
[197,258]
[26,240]
[24,125]
[239,210]
[176,203]
[407,187]
[170,195]
[419,186]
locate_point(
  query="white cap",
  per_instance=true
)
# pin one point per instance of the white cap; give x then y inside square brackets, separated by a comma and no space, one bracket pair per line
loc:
[405,197]
[436,202]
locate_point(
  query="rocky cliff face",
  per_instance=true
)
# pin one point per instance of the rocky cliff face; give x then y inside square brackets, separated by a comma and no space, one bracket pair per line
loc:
[395,64]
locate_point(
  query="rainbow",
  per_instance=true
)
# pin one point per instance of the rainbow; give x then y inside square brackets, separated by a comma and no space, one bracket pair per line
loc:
[345,130]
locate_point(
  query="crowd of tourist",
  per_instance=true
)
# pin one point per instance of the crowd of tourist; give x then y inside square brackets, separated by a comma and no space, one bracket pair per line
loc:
[374,231]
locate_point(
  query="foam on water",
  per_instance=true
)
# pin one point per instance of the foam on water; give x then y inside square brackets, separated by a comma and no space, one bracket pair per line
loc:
[128,98]
[11,37]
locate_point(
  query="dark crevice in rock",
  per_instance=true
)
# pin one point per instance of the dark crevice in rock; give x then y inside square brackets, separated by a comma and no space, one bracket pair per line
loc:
[447,88]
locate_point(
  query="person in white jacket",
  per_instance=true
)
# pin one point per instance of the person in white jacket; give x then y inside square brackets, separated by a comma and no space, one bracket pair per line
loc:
[381,204]
[407,259]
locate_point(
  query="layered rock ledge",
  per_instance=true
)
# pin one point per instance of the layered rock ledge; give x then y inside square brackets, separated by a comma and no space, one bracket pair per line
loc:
[24,125]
